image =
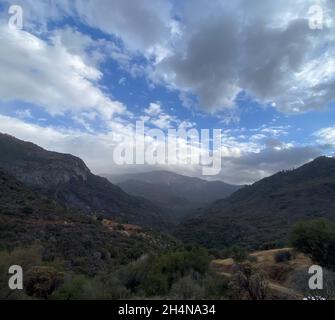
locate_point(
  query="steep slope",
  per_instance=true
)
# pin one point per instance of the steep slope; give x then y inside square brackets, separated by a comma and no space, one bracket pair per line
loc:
[67,179]
[176,194]
[84,243]
[266,211]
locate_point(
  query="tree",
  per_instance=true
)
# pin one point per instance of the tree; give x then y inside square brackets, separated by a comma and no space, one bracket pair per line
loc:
[316,239]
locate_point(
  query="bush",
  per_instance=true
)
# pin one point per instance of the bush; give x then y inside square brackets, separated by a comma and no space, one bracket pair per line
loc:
[316,238]
[105,287]
[215,286]
[249,283]
[72,288]
[239,254]
[283,256]
[155,275]
[187,289]
[135,274]
[41,282]
[156,284]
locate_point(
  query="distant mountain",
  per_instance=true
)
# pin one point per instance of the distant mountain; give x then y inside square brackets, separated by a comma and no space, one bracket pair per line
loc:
[265,212]
[68,180]
[176,194]
[84,243]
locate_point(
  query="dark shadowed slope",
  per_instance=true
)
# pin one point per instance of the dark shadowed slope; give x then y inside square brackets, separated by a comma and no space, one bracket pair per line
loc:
[266,211]
[83,243]
[67,179]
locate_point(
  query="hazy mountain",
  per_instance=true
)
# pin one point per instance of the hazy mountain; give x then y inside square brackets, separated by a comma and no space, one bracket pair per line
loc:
[84,243]
[67,179]
[176,194]
[266,211]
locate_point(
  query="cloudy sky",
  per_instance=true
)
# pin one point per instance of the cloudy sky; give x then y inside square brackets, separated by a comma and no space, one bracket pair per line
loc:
[80,74]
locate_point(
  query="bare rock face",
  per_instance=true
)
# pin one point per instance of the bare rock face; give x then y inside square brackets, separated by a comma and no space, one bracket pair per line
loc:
[49,175]
[67,179]
[37,167]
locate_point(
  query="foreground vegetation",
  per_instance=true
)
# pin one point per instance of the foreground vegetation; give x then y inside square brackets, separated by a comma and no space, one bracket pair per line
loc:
[182,273]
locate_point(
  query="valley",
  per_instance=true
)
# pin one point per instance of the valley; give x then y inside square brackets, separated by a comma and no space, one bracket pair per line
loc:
[156,234]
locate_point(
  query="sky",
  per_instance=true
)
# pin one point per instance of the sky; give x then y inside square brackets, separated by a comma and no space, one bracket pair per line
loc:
[80,73]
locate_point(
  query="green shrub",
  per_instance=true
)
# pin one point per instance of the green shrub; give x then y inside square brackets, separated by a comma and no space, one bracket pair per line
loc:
[187,289]
[158,274]
[215,286]
[316,238]
[105,287]
[156,284]
[72,288]
[239,254]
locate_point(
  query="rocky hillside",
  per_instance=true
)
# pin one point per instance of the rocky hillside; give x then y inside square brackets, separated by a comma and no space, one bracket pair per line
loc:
[84,244]
[68,180]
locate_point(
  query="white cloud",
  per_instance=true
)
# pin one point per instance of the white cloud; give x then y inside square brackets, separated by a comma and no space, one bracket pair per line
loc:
[93,52]
[48,75]
[214,51]
[326,136]
[155,115]
[154,109]
[271,54]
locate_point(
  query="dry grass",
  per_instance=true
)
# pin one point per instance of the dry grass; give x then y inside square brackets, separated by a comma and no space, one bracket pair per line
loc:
[277,272]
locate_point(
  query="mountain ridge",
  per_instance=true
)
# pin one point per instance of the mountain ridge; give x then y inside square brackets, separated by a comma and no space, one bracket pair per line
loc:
[177,195]
[266,211]
[67,179]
